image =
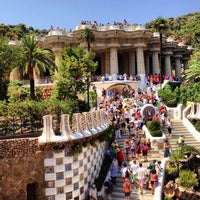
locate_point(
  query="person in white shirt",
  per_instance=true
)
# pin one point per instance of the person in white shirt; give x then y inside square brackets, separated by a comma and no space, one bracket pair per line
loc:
[93,192]
[134,168]
[141,174]
[123,171]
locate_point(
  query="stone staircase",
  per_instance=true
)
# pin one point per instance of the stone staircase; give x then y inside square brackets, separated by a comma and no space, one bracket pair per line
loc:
[180,129]
[118,193]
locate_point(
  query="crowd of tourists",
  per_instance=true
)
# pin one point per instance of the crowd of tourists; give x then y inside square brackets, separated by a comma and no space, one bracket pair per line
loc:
[149,79]
[126,117]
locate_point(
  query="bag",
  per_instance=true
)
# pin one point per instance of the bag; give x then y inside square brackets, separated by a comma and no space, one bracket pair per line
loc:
[155,184]
[127,175]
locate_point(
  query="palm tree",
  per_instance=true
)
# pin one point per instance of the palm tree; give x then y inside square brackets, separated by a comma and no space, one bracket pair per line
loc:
[160,25]
[35,59]
[88,35]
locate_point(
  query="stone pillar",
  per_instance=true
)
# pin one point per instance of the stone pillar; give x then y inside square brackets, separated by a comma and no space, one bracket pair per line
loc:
[168,64]
[113,61]
[140,60]
[156,65]
[141,66]
[178,66]
[132,62]
[107,62]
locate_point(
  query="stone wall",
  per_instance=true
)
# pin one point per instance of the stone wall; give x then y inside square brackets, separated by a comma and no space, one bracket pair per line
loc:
[17,172]
[48,167]
[15,148]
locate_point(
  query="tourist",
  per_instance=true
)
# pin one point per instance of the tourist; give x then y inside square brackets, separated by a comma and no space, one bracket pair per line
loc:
[127,147]
[141,175]
[117,129]
[181,141]
[148,172]
[149,146]
[123,171]
[169,127]
[113,173]
[134,167]
[166,147]
[153,181]
[93,192]
[108,189]
[138,149]
[120,157]
[144,151]
[127,189]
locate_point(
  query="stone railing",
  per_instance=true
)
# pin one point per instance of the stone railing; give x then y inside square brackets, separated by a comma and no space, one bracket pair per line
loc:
[51,162]
[83,125]
[175,113]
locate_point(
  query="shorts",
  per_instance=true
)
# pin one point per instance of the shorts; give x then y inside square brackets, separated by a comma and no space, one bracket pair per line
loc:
[169,130]
[127,194]
[144,152]
[141,182]
[134,177]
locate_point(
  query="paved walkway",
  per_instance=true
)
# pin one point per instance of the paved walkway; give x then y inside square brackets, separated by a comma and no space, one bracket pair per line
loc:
[118,193]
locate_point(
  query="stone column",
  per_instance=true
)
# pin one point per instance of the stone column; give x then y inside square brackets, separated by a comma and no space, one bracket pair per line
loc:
[132,62]
[168,64]
[155,60]
[178,66]
[140,60]
[113,61]
[141,66]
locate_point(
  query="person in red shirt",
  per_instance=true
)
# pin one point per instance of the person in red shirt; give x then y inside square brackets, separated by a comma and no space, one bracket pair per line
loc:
[120,157]
[127,189]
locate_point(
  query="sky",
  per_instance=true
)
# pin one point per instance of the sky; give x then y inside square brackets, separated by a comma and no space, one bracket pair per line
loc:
[41,14]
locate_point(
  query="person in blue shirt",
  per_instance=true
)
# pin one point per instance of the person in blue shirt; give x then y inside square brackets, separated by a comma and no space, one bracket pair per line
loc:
[113,173]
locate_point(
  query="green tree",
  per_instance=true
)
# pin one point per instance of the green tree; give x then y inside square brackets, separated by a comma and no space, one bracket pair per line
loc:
[160,25]
[75,66]
[89,37]
[192,74]
[10,57]
[35,59]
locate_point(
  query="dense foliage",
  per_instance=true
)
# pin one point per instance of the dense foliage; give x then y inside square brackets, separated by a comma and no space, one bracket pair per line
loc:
[186,28]
[75,66]
[22,117]
[154,128]
[19,31]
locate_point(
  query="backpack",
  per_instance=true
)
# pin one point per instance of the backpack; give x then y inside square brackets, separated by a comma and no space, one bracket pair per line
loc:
[127,175]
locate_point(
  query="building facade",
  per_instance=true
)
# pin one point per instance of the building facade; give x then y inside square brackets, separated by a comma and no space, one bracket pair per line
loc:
[130,49]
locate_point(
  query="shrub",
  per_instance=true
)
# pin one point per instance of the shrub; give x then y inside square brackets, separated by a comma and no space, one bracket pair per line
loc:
[154,128]
[188,179]
[168,96]
[196,124]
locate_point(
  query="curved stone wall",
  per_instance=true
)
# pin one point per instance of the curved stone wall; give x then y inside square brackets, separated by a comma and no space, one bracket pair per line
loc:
[49,167]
